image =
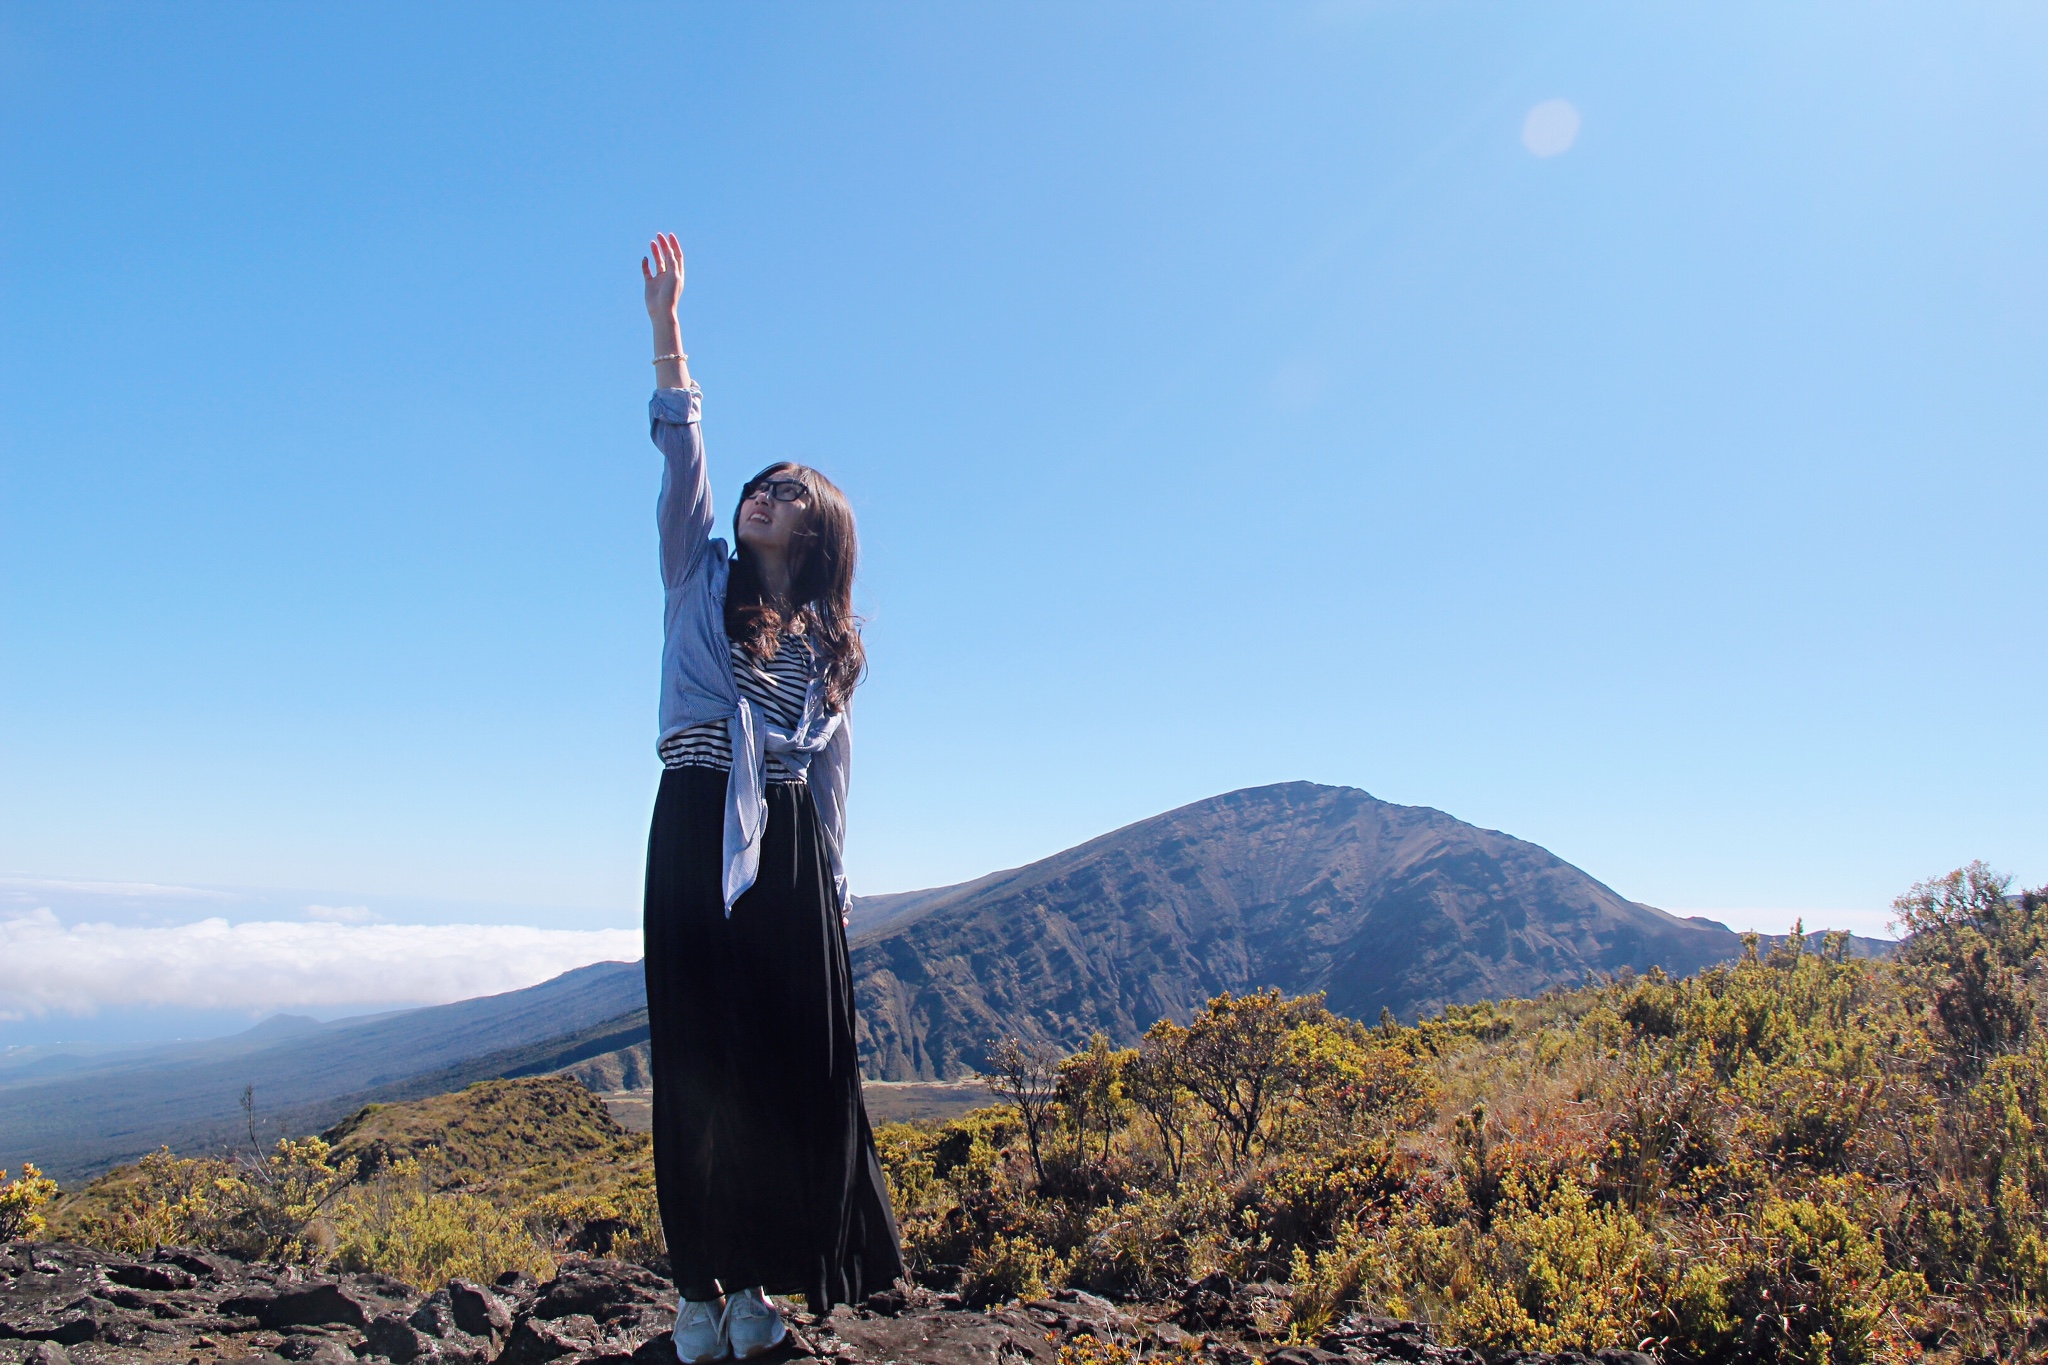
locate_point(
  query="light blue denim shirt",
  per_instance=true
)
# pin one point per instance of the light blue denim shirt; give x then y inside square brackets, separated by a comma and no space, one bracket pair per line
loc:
[696,661]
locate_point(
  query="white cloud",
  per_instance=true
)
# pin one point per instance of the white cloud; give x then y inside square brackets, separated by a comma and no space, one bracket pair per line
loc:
[343,914]
[47,967]
[1551,127]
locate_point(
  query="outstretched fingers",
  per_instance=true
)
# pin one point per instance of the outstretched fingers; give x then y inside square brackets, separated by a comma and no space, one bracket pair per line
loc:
[661,272]
[667,253]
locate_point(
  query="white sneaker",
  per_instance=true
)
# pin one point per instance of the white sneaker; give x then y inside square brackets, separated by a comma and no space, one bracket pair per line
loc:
[752,1326]
[700,1331]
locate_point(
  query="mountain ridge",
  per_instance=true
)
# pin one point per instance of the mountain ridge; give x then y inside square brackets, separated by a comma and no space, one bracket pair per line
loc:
[1297,885]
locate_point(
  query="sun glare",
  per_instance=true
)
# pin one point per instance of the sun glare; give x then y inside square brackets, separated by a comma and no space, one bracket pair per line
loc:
[1551,127]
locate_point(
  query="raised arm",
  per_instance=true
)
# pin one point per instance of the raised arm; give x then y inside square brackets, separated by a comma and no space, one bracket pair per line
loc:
[664,281]
[683,513]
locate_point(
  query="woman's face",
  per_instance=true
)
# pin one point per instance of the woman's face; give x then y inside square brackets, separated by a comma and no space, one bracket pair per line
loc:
[771,508]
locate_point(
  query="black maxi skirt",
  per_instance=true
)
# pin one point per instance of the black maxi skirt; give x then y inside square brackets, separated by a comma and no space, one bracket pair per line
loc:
[763,1158]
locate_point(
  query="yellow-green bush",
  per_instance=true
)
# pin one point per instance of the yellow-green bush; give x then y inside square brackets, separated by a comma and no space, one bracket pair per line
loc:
[21,1202]
[1010,1267]
[399,1225]
[534,1169]
[274,1207]
[1556,1272]
[622,1221]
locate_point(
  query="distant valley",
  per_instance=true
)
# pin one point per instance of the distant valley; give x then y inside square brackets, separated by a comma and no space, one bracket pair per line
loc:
[103,1110]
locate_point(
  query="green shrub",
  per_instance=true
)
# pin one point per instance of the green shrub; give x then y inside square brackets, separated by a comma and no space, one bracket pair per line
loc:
[1009,1268]
[1813,1284]
[272,1208]
[622,1221]
[398,1225]
[1557,1273]
[21,1203]
[1357,1265]
[1148,1244]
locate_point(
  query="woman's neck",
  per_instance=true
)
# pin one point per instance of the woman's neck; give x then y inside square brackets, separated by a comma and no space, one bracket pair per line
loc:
[772,572]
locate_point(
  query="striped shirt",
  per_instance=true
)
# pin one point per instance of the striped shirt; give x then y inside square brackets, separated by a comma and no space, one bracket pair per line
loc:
[777,690]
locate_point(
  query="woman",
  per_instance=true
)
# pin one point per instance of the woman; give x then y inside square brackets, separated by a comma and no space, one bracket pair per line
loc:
[763,1159]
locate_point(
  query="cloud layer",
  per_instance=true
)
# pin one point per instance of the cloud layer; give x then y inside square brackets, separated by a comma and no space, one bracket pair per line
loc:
[48,967]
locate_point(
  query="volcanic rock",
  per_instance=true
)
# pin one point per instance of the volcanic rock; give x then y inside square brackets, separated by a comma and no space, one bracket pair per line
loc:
[305,1305]
[479,1312]
[62,1304]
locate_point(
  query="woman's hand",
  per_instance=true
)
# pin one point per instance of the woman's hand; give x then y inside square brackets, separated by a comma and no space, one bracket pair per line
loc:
[664,281]
[664,278]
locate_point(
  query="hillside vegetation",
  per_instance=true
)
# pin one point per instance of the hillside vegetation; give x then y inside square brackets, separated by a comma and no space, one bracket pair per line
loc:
[1800,1156]
[503,1175]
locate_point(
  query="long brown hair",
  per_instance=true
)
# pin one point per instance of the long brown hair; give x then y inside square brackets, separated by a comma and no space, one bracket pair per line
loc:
[822,554]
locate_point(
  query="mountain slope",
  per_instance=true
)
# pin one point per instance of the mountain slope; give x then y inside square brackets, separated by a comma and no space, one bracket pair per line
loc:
[190,1097]
[1297,886]
[1305,887]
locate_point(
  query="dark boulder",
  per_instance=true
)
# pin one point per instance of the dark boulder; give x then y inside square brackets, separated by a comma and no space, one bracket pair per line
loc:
[603,1290]
[395,1338]
[479,1312]
[515,1284]
[304,1304]
[205,1265]
[55,1291]
[158,1277]
[592,1309]
[536,1340]
[1364,1338]
[438,1317]
[315,1349]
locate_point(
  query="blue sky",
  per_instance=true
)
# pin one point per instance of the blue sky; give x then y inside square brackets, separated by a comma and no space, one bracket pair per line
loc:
[1228,395]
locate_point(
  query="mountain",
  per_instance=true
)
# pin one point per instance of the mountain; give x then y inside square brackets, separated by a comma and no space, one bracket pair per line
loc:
[1300,886]
[115,1108]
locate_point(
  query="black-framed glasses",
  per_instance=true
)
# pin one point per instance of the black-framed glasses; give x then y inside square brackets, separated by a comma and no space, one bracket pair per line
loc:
[781,490]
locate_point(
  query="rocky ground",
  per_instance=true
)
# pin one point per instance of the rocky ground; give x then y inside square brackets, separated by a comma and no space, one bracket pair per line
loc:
[64,1304]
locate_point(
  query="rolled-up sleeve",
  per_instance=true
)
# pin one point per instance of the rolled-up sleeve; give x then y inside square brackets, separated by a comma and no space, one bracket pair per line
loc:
[683,511]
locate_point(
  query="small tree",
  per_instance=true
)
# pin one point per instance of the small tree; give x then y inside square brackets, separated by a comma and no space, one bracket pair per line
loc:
[1156,1079]
[1973,944]
[278,1197]
[1237,1058]
[1028,1076]
[281,1199]
[1091,1087]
